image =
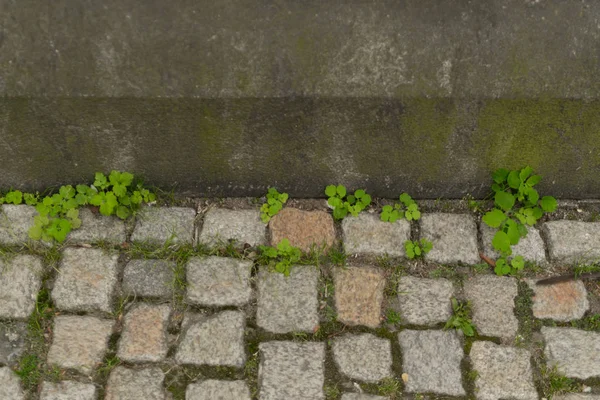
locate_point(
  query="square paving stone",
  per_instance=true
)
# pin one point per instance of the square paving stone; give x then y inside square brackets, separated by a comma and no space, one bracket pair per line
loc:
[149,278]
[359,295]
[136,384]
[98,228]
[12,341]
[367,234]
[577,396]
[288,303]
[218,281]
[454,238]
[157,225]
[215,340]
[68,390]
[15,222]
[363,357]
[425,301]
[218,390]
[361,396]
[241,226]
[564,301]
[573,241]
[10,385]
[493,300]
[432,361]
[291,371]
[20,281]
[144,337]
[502,372]
[79,342]
[86,281]
[304,229]
[531,247]
[575,352]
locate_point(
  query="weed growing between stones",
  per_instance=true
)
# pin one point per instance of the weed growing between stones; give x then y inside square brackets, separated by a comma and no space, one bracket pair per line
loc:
[554,383]
[528,324]
[332,391]
[461,319]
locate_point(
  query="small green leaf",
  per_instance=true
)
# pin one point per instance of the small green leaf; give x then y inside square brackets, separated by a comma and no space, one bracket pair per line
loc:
[351,199]
[494,218]
[532,195]
[525,172]
[501,242]
[359,193]
[35,232]
[500,175]
[341,190]
[534,180]
[504,200]
[406,199]
[518,262]
[330,190]
[417,250]
[548,203]
[366,200]
[513,180]
[512,231]
[123,212]
[283,197]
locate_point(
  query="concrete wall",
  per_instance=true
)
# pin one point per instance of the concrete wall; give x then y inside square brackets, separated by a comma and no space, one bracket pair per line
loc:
[229,97]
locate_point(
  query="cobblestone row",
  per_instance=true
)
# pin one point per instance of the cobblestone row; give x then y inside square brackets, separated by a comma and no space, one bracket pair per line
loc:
[205,321]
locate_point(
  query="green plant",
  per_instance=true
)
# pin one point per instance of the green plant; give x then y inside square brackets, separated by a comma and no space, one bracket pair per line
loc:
[342,204]
[29,370]
[282,257]
[390,388]
[407,208]
[509,267]
[274,204]
[393,317]
[516,205]
[461,318]
[417,248]
[555,383]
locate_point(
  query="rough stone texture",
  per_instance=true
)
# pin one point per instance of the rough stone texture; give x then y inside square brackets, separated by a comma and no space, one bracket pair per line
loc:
[573,241]
[493,299]
[130,384]
[432,361]
[216,340]
[304,229]
[502,372]
[86,281]
[531,247]
[576,352]
[363,357]
[218,281]
[149,278]
[367,234]
[10,386]
[359,295]
[79,342]
[67,390]
[288,304]
[424,301]
[291,371]
[454,238]
[218,390]
[12,341]
[577,396]
[360,396]
[563,301]
[15,221]
[157,225]
[242,226]
[144,337]
[20,280]
[96,228]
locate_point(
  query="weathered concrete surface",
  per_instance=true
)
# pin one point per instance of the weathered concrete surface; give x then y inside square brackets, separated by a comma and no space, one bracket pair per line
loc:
[206,95]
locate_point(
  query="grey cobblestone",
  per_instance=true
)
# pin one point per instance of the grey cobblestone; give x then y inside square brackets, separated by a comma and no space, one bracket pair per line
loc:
[216,340]
[577,396]
[157,225]
[15,222]
[502,372]
[136,384]
[367,234]
[218,390]
[10,385]
[454,238]
[144,337]
[244,226]
[20,280]
[493,298]
[288,304]
[531,247]
[431,359]
[573,241]
[575,352]
[67,390]
[361,396]
[86,281]
[79,342]
[218,281]
[291,371]
[425,301]
[12,341]
[149,278]
[98,228]
[363,357]
[563,301]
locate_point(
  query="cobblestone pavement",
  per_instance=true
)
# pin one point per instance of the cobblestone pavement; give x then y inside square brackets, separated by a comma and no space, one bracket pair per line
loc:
[178,305]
